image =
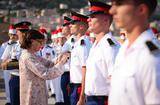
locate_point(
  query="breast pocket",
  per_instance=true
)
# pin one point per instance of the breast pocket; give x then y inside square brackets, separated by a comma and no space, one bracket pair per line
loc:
[131,88]
[75,60]
[129,81]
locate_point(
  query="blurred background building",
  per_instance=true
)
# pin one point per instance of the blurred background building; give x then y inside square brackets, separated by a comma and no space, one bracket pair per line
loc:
[46,13]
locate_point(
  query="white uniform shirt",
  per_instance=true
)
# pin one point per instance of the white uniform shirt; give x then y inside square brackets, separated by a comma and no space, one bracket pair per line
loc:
[78,59]
[99,66]
[58,50]
[3,46]
[56,47]
[136,79]
[48,52]
[68,46]
[12,51]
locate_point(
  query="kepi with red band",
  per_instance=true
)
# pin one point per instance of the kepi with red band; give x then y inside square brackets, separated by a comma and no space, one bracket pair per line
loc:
[76,17]
[97,7]
[23,25]
[44,32]
[67,21]
[12,29]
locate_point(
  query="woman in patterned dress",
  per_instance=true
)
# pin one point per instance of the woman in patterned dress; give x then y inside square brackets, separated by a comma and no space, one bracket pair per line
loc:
[34,70]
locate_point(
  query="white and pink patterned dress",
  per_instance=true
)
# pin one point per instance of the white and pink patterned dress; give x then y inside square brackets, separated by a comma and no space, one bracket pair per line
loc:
[34,70]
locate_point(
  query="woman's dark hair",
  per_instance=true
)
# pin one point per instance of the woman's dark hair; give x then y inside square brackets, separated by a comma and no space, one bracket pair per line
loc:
[29,35]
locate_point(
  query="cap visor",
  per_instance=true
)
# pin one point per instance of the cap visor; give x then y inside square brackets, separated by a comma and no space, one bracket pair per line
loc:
[66,24]
[95,12]
[73,21]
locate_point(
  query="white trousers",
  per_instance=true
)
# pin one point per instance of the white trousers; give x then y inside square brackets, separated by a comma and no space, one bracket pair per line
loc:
[51,85]
[7,77]
[58,90]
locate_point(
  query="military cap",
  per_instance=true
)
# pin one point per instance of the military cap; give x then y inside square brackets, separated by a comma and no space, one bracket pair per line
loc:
[97,7]
[44,32]
[76,17]
[59,33]
[23,25]
[66,20]
[12,29]
[54,34]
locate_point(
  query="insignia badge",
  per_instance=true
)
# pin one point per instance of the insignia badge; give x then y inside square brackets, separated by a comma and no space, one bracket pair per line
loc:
[111,43]
[82,42]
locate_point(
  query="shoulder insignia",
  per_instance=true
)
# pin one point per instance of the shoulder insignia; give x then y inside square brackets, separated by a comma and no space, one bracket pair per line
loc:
[82,42]
[49,46]
[40,53]
[72,40]
[111,43]
[53,52]
[152,47]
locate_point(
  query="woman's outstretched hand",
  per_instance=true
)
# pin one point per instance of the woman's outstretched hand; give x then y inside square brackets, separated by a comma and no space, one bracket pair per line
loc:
[63,58]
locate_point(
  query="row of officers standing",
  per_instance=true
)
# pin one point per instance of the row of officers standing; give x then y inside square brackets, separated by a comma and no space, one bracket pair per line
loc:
[80,72]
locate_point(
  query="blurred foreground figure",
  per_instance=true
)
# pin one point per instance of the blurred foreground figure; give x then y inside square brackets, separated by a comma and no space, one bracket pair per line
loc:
[136,77]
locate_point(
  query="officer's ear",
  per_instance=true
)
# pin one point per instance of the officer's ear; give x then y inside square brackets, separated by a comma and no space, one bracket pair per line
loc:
[107,19]
[143,10]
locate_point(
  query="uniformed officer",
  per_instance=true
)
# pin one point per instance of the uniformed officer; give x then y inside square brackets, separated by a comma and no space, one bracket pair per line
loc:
[136,77]
[58,89]
[10,45]
[67,47]
[21,28]
[12,41]
[79,55]
[102,55]
[66,29]
[54,39]
[69,44]
[49,53]
[61,38]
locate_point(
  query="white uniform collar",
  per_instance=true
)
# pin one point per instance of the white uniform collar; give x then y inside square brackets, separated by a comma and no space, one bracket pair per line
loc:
[146,35]
[73,36]
[82,37]
[107,35]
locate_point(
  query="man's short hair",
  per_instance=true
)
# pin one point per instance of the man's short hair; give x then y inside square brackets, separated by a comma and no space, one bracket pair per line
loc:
[151,4]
